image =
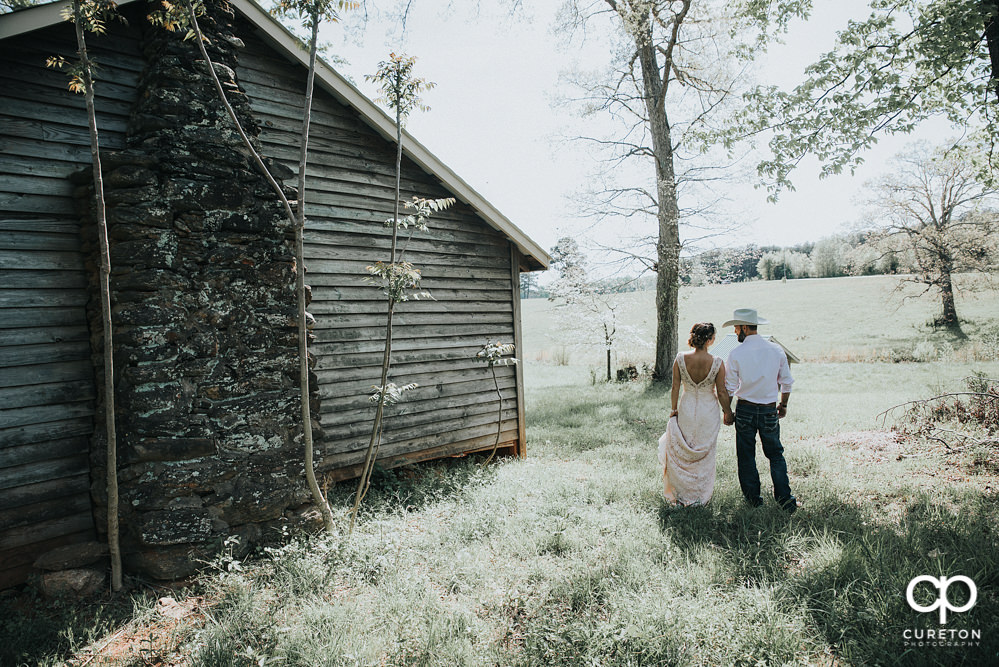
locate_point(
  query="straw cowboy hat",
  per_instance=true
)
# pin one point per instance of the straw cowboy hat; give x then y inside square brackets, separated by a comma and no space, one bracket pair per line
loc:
[745,316]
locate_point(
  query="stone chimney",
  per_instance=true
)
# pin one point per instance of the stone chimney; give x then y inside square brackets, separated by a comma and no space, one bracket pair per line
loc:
[204,316]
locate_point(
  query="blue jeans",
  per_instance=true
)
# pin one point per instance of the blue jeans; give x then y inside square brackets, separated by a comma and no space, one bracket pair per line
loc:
[751,419]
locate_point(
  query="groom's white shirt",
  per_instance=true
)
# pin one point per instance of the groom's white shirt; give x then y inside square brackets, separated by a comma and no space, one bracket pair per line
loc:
[757,371]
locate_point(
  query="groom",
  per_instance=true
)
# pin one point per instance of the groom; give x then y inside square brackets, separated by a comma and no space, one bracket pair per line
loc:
[757,373]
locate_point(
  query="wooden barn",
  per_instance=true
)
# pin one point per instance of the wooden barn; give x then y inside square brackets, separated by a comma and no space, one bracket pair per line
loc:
[199,454]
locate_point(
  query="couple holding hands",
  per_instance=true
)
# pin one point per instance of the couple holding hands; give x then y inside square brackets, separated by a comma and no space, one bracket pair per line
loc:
[757,374]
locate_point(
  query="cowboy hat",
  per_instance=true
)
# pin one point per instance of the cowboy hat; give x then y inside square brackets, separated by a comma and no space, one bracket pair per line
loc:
[745,316]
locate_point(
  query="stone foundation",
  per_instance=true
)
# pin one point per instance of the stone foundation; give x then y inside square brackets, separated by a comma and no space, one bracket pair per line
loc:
[204,317]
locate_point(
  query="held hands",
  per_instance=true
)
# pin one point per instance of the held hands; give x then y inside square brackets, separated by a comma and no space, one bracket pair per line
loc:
[673,413]
[728,418]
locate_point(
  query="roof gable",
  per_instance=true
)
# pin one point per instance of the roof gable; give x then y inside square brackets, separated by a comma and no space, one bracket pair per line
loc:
[283,41]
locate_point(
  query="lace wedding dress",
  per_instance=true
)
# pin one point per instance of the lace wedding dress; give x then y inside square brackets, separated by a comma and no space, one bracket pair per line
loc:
[687,448]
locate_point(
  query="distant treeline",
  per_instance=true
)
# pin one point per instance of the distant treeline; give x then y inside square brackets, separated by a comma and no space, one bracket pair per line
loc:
[530,289]
[853,254]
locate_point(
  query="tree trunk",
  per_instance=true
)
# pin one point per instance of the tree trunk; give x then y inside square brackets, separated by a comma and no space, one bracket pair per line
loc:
[608,364]
[949,318]
[668,246]
[303,333]
[111,481]
[991,11]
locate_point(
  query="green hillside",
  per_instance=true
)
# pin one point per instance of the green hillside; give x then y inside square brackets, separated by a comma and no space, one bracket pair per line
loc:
[832,319]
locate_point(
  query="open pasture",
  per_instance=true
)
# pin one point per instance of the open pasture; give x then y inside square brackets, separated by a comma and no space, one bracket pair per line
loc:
[823,319]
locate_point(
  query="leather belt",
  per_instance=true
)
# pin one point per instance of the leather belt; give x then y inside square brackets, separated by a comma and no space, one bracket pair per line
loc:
[759,405]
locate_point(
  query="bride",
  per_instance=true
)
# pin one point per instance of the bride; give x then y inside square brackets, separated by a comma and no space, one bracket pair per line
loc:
[687,448]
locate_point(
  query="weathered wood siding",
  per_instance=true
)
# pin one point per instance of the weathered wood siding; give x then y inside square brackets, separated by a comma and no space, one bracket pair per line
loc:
[466,266]
[46,375]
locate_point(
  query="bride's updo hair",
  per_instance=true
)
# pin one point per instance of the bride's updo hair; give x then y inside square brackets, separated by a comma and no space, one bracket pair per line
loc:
[700,334]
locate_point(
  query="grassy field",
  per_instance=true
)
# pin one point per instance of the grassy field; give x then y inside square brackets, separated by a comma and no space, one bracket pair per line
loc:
[570,557]
[834,319]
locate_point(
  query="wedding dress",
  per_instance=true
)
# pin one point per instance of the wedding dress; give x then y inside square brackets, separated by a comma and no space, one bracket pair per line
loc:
[687,448]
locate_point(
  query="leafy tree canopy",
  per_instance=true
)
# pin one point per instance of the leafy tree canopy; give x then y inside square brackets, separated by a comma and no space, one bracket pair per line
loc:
[909,60]
[14,5]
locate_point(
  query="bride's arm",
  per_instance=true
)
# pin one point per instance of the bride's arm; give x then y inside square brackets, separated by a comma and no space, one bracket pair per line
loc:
[723,397]
[674,395]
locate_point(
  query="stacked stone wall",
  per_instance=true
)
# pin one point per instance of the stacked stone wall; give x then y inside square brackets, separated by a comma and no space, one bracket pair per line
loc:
[204,319]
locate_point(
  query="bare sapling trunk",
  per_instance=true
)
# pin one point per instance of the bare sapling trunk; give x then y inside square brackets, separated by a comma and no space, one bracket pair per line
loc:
[114,546]
[200,39]
[499,417]
[298,223]
[493,355]
[303,331]
[372,451]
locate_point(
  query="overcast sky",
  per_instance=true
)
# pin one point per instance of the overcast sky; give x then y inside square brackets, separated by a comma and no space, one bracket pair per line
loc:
[492,122]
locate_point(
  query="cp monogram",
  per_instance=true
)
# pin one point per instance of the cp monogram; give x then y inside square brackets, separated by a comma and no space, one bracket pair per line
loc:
[942,603]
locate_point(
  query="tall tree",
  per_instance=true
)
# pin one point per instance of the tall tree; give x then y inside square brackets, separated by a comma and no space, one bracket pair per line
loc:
[528,285]
[933,204]
[93,16]
[909,60]
[672,72]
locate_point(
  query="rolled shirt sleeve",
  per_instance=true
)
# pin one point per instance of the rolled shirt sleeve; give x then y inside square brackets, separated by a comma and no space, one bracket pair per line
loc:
[784,379]
[732,374]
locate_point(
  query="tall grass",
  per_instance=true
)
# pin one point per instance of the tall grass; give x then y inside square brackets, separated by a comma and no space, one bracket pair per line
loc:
[570,556]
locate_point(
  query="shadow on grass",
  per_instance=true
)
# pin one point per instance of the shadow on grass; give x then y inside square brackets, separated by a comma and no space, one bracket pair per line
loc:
[36,631]
[416,486]
[850,572]
[656,390]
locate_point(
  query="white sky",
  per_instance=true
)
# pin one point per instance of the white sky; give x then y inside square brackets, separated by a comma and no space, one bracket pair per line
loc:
[492,122]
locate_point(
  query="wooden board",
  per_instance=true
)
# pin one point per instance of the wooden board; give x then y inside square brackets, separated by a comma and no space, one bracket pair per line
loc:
[346,465]
[46,373]
[466,266]
[518,341]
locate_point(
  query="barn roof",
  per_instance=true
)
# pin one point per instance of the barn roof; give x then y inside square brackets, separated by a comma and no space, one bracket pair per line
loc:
[728,343]
[283,41]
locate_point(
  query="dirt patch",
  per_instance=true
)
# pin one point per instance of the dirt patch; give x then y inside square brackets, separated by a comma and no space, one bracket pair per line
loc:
[927,459]
[155,644]
[872,446]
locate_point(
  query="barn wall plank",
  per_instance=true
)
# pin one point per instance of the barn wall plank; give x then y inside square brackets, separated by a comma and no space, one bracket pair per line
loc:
[46,373]
[27,515]
[346,466]
[47,431]
[29,494]
[466,266]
